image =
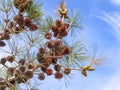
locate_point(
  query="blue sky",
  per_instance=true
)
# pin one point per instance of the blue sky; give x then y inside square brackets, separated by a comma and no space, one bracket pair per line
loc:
[102,27]
[101,23]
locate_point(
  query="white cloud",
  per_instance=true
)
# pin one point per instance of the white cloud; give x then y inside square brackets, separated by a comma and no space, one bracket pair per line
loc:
[116,2]
[112,19]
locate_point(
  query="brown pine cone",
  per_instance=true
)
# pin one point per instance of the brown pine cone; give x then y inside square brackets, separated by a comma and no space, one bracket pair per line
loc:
[41,76]
[10,58]
[22,61]
[48,35]
[2,44]
[28,22]
[49,71]
[10,70]
[67,71]
[29,74]
[3,60]
[57,67]
[58,75]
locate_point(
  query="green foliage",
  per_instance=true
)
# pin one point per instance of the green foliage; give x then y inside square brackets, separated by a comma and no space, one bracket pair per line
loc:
[75,21]
[34,11]
[78,53]
[6,6]
[46,24]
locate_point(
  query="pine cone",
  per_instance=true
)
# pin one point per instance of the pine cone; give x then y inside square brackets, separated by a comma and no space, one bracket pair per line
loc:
[58,75]
[67,71]
[3,60]
[57,67]
[2,44]
[41,76]
[49,71]
[29,74]
[10,70]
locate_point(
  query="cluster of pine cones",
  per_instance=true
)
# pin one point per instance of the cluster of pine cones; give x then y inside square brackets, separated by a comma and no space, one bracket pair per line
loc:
[48,57]
[19,22]
[54,51]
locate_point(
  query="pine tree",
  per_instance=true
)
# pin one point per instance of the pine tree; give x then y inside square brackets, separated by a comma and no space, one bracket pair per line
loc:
[37,44]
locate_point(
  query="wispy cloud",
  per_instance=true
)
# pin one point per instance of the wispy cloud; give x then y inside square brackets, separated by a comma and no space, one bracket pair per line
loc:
[112,19]
[113,83]
[116,2]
